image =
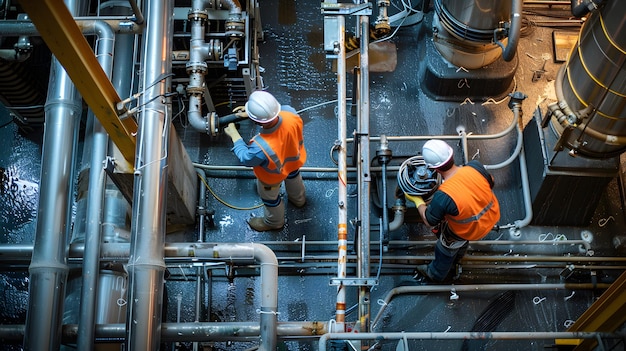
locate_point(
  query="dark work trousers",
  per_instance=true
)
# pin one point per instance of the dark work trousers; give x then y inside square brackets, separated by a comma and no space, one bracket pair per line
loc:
[448,252]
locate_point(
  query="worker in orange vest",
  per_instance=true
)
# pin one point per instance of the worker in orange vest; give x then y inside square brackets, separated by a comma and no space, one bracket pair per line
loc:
[463,208]
[275,155]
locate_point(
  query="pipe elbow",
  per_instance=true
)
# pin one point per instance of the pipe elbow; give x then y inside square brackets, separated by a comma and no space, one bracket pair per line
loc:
[196,120]
[508,53]
[398,215]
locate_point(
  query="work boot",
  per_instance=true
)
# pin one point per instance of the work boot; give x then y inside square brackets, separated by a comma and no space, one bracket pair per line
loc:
[259,224]
[273,219]
[421,272]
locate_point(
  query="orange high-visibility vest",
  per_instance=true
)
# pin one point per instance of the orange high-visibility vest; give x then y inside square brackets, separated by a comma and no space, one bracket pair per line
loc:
[283,147]
[478,206]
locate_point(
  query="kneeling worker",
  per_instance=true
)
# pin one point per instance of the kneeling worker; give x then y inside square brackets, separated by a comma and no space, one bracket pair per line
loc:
[463,208]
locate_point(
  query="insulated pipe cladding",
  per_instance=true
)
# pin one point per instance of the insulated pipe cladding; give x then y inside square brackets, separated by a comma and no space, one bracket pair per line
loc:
[591,87]
[470,34]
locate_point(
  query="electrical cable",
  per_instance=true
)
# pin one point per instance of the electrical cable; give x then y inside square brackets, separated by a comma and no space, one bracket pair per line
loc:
[224,202]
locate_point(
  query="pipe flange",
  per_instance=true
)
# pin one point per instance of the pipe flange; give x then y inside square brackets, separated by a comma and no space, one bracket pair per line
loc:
[191,90]
[235,28]
[197,15]
[215,49]
[196,67]
[213,124]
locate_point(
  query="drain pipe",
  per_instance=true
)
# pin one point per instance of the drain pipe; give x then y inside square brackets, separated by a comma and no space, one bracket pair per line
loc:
[342,177]
[48,269]
[269,285]
[95,196]
[146,266]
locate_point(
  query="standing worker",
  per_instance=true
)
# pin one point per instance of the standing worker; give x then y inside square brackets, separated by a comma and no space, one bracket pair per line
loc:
[275,154]
[463,208]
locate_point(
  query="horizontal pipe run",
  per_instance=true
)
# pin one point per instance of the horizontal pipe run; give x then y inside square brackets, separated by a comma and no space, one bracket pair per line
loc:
[423,289]
[191,331]
[192,252]
[464,336]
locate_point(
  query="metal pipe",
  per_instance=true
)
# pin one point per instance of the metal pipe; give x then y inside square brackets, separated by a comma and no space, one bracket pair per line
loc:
[422,289]
[342,176]
[200,269]
[269,285]
[233,5]
[508,52]
[398,215]
[136,11]
[16,252]
[95,204]
[22,27]
[197,67]
[464,336]
[48,268]
[196,332]
[525,192]
[580,8]
[146,266]
[364,176]
[514,155]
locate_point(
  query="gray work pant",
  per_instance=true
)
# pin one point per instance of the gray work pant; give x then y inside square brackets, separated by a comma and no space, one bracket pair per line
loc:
[274,209]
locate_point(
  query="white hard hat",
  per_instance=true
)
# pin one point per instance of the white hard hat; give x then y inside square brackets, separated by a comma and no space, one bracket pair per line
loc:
[436,153]
[262,107]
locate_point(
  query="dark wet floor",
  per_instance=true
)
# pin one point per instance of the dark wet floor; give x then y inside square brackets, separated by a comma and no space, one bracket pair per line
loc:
[297,72]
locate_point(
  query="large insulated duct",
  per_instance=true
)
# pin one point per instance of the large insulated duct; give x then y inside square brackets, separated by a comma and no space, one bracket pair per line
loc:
[590,118]
[470,34]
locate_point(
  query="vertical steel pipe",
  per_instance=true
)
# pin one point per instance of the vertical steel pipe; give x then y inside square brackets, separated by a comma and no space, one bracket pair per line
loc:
[48,269]
[342,176]
[95,204]
[364,176]
[146,266]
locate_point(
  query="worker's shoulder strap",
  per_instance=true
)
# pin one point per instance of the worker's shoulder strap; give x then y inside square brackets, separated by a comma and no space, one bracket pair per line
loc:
[481,169]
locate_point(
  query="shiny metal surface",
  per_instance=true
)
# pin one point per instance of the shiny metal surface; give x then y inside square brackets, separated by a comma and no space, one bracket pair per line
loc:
[481,15]
[595,78]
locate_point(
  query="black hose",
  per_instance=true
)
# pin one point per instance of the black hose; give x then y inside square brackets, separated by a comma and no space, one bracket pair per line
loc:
[232,118]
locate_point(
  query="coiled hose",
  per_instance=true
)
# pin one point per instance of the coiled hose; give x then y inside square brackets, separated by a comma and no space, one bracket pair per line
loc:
[415,179]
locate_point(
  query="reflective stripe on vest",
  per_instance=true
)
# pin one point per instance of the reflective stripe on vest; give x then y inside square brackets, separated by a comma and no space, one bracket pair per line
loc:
[478,207]
[283,147]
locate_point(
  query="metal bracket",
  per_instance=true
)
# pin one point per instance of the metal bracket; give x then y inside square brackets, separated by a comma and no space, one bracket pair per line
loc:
[354,281]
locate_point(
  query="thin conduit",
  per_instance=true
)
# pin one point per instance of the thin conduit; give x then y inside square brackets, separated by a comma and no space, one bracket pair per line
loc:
[477,287]
[463,335]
